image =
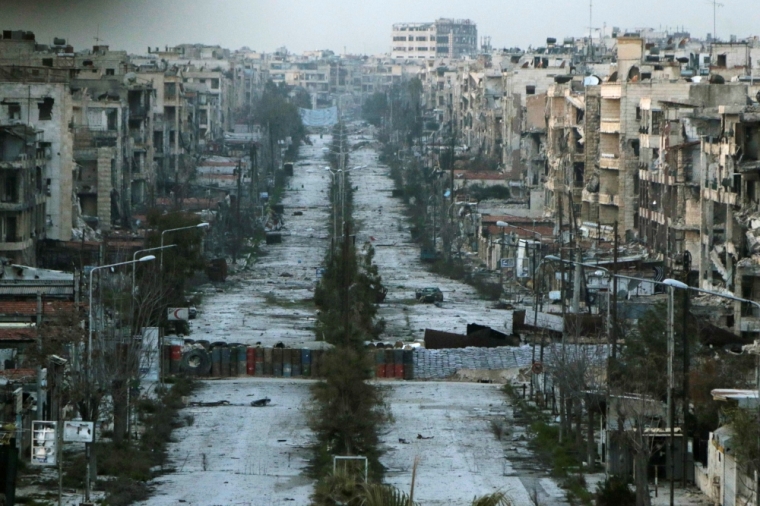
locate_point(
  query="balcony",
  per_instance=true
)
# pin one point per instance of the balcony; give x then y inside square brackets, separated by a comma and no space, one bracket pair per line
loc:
[608,161]
[591,197]
[719,195]
[606,199]
[610,126]
[750,324]
[611,91]
[89,138]
[15,244]
[649,141]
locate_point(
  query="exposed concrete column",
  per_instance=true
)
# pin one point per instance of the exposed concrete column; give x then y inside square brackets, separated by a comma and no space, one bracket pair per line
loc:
[729,242]
[105,156]
[706,242]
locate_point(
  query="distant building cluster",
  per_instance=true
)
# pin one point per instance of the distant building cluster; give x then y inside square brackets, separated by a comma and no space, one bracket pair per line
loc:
[655,135]
[91,139]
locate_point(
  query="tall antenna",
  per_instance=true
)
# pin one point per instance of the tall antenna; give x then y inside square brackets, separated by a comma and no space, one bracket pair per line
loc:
[590,30]
[97,36]
[715,4]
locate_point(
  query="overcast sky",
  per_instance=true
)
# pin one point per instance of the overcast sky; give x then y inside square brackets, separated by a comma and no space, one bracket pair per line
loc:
[359,26]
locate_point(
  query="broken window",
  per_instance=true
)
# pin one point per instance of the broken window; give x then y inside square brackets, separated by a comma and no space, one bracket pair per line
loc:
[46,109]
[10,188]
[656,120]
[47,62]
[14,111]
[10,229]
[722,60]
[110,72]
[111,118]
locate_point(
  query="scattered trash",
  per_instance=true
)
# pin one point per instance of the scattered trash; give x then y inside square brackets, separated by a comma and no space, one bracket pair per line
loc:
[403,441]
[420,436]
[259,403]
[208,404]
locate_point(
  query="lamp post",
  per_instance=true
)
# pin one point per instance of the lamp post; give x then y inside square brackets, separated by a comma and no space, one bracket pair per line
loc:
[89,355]
[671,285]
[134,259]
[164,232]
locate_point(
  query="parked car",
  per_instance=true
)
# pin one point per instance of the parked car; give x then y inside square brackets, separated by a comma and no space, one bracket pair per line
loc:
[192,312]
[429,294]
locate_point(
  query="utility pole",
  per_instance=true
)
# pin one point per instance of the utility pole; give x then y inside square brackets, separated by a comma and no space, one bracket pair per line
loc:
[671,383]
[562,299]
[238,226]
[613,328]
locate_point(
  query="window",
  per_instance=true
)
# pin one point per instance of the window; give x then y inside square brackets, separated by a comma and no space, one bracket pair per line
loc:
[215,84]
[46,109]
[110,72]
[722,60]
[656,120]
[10,229]
[14,111]
[47,62]
[10,188]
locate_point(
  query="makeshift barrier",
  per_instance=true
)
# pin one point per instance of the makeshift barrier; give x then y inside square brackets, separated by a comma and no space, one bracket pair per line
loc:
[220,359]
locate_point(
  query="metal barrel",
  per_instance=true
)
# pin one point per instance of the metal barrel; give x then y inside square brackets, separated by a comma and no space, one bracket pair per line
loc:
[287,364]
[398,363]
[390,370]
[242,360]
[259,370]
[176,358]
[295,363]
[277,362]
[216,361]
[408,364]
[233,360]
[306,362]
[267,361]
[225,361]
[380,363]
[250,361]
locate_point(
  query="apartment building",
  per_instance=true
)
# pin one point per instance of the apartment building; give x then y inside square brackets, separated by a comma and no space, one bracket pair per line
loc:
[444,38]
[729,254]
[37,99]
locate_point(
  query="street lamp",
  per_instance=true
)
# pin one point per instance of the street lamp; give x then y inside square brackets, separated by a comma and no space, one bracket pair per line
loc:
[671,285]
[504,224]
[199,225]
[89,353]
[134,259]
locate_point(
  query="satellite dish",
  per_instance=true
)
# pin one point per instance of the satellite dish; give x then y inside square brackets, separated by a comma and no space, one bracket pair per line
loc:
[130,77]
[591,81]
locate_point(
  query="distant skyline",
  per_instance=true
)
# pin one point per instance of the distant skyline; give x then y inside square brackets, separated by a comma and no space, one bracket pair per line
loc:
[350,25]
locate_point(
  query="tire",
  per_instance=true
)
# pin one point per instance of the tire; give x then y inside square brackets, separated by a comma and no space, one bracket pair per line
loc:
[196,362]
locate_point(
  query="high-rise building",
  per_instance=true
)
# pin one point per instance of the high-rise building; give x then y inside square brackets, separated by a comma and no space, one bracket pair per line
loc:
[444,38]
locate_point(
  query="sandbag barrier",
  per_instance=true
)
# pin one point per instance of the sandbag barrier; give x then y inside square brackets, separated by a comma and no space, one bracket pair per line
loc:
[222,360]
